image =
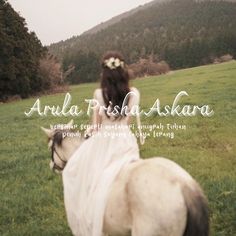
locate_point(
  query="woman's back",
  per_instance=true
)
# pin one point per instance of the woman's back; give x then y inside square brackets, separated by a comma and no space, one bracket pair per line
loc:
[133,96]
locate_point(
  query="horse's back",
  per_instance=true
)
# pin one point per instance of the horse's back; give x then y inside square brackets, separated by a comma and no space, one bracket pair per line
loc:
[147,199]
[156,200]
[144,195]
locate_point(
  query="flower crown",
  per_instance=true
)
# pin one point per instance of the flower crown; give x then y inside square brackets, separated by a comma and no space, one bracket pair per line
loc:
[113,63]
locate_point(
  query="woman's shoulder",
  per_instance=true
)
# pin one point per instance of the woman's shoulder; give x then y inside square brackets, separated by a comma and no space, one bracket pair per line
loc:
[135,90]
[97,92]
[134,98]
[98,95]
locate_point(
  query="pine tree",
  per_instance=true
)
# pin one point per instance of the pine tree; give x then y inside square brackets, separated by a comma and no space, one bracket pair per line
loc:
[20,52]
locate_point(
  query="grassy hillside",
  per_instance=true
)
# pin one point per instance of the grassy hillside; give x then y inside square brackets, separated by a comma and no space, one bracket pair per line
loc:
[31,195]
[184,33]
[120,17]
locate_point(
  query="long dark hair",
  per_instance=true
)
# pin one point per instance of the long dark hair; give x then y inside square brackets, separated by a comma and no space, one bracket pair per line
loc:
[114,82]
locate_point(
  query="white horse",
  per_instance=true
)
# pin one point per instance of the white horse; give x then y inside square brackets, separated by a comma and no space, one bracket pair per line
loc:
[153,197]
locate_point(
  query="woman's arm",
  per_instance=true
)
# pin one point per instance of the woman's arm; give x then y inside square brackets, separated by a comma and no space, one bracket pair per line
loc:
[135,101]
[96,118]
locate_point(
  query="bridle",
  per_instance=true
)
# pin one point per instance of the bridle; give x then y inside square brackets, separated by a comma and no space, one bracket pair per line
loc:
[53,149]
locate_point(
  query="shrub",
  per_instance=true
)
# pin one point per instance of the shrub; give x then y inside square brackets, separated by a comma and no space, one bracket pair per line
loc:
[146,67]
[224,58]
[51,72]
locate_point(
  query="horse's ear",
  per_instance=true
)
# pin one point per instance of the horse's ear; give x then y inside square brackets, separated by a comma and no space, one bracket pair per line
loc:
[48,132]
[71,123]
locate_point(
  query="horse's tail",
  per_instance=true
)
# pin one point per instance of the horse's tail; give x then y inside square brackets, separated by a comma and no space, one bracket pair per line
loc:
[197,211]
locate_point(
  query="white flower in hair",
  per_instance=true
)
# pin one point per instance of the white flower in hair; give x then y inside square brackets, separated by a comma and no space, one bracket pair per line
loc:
[110,63]
[117,62]
[114,63]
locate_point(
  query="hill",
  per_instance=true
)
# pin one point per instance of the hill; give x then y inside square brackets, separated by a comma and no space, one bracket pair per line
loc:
[185,33]
[32,196]
[120,17]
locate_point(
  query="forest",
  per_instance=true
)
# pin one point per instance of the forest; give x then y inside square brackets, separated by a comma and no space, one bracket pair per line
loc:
[26,67]
[184,33]
[154,39]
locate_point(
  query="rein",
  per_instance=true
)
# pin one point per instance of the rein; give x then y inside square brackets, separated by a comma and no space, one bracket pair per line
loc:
[53,149]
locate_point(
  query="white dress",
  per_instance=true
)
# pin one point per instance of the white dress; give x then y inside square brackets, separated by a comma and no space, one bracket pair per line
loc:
[93,167]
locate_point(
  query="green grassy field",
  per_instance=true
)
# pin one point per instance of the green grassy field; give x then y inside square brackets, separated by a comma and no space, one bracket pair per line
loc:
[31,196]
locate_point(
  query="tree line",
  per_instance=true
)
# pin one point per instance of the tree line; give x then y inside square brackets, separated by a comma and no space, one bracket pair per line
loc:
[184,33]
[26,67]
[175,34]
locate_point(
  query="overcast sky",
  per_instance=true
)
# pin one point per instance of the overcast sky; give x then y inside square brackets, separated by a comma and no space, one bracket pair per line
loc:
[55,20]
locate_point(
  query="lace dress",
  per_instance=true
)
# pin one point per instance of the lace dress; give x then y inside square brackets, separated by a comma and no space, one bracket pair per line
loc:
[89,173]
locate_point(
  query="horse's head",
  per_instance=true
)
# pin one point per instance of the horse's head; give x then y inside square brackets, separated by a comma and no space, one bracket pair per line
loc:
[62,143]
